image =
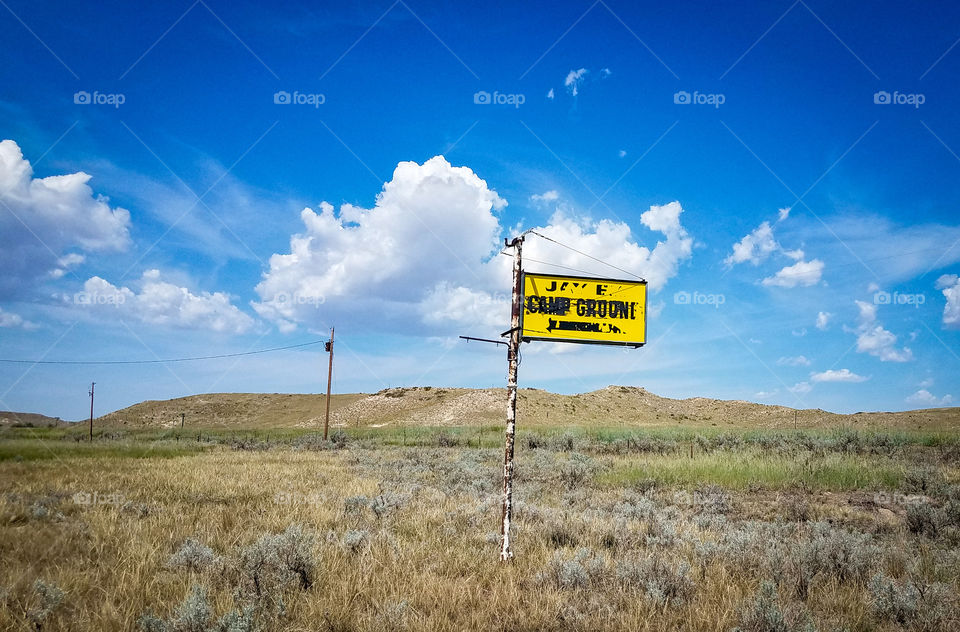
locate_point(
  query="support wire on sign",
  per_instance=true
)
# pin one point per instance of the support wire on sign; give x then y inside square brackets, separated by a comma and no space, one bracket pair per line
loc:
[580,252]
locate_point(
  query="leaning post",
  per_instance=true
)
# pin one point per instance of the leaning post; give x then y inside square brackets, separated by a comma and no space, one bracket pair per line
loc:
[513,355]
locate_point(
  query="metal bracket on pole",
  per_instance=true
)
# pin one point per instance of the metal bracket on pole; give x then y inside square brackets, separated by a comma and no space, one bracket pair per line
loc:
[496,342]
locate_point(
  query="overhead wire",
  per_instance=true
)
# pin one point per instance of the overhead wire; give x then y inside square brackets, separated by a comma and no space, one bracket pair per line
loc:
[588,256]
[159,361]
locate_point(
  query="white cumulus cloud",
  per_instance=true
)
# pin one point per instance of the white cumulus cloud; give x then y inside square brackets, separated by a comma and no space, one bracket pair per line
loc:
[843,375]
[162,303]
[546,196]
[755,247]
[43,219]
[12,321]
[950,285]
[873,339]
[823,320]
[794,361]
[802,273]
[426,255]
[928,399]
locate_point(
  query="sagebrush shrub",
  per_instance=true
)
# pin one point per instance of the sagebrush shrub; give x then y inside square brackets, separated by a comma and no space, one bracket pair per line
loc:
[923,480]
[583,570]
[892,601]
[923,519]
[193,556]
[394,616]
[194,613]
[561,534]
[574,472]
[764,613]
[49,597]
[274,562]
[925,606]
[662,581]
[827,552]
[385,503]
[356,540]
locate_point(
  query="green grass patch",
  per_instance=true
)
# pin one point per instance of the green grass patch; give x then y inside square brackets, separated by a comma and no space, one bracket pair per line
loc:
[44,449]
[744,470]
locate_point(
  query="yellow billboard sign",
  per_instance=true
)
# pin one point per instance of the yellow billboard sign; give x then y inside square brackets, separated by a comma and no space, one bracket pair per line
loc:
[584,309]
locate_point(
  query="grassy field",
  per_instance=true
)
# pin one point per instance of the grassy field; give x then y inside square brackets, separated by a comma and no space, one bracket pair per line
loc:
[397,529]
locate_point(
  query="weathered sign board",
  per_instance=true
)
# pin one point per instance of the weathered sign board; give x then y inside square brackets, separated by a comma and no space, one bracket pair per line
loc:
[584,310]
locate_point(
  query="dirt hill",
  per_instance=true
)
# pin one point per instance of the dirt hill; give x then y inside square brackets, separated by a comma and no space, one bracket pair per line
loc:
[28,420]
[609,407]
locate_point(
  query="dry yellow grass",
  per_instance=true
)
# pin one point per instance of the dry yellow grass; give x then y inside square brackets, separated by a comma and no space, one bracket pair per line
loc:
[428,564]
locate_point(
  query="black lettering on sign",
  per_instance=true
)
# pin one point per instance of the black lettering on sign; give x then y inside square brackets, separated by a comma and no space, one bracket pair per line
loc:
[558,305]
[602,308]
[562,287]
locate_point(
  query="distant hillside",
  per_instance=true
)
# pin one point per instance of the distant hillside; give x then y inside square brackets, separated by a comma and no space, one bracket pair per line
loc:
[8,418]
[609,407]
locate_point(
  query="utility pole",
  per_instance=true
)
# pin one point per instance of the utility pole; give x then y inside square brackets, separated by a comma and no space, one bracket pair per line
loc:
[513,356]
[91,411]
[326,419]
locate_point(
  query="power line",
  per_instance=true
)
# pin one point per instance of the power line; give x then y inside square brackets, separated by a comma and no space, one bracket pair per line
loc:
[579,252]
[210,357]
[557,265]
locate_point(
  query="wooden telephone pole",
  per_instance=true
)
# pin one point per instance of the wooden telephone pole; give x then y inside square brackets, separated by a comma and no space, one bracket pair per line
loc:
[326,418]
[91,410]
[513,362]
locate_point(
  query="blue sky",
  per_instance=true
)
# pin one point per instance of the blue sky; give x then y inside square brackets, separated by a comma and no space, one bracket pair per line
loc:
[783,175]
